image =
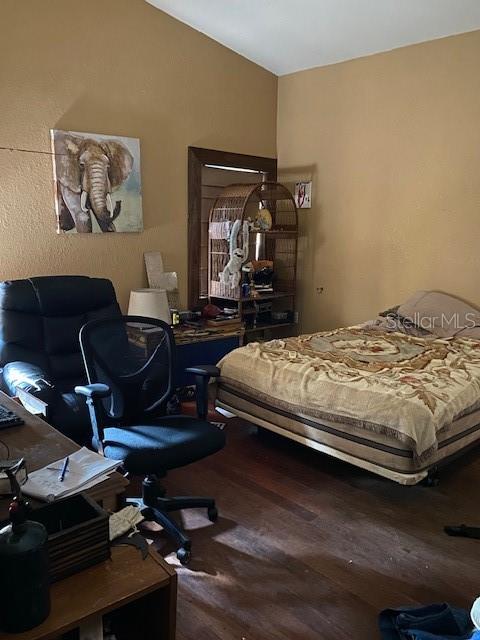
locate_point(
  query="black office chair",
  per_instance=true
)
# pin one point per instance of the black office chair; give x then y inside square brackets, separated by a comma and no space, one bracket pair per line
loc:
[130,386]
[39,352]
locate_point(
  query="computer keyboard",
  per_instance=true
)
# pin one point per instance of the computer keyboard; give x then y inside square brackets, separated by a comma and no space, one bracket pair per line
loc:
[9,418]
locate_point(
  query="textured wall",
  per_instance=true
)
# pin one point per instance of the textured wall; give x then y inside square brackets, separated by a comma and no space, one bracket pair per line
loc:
[392,142]
[118,67]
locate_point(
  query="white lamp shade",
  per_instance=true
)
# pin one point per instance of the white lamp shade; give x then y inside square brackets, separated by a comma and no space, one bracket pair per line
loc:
[150,303]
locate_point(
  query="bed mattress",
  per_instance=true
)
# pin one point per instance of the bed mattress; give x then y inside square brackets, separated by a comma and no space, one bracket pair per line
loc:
[394,404]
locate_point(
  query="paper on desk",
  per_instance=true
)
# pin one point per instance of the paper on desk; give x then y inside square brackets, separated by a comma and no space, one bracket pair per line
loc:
[85,469]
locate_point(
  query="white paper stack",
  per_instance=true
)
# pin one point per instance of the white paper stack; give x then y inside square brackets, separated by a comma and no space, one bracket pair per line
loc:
[85,469]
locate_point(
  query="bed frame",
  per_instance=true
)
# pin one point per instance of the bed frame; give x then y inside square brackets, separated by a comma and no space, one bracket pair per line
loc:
[401,478]
[448,451]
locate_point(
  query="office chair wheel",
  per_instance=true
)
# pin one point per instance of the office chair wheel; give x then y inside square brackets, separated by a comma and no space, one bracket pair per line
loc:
[212,514]
[184,555]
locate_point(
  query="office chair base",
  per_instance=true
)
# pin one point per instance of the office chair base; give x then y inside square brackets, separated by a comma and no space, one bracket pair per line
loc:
[155,507]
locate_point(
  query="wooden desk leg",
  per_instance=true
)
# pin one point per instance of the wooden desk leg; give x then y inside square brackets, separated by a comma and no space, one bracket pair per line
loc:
[156,613]
[168,612]
[92,630]
[161,613]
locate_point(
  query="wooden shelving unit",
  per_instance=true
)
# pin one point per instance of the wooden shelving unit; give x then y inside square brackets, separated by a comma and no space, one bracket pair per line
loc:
[241,202]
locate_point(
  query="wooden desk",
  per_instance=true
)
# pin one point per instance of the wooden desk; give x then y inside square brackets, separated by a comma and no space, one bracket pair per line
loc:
[195,349]
[142,593]
[205,345]
[40,444]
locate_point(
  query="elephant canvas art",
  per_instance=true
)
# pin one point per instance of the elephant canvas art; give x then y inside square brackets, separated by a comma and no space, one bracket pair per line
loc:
[97,182]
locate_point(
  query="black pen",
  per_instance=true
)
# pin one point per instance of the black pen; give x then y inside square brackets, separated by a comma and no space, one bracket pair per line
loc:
[64,469]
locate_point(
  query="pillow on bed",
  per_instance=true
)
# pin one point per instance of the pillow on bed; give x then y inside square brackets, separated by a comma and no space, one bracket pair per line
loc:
[442,314]
[393,311]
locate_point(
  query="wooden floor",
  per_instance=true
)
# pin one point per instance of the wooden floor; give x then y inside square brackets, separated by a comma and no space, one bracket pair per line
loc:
[310,548]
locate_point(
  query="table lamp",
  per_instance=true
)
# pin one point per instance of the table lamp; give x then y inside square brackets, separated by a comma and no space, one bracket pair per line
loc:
[150,303]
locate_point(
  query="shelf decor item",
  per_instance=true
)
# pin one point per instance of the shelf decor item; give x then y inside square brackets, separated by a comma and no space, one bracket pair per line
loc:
[303,194]
[253,223]
[158,278]
[263,220]
[238,255]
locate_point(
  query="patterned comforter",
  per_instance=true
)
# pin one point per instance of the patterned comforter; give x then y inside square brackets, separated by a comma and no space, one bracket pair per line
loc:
[407,387]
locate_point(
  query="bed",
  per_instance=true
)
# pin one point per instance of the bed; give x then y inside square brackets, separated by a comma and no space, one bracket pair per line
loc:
[398,395]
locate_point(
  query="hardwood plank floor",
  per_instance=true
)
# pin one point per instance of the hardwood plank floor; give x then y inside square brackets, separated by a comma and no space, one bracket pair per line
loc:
[307,547]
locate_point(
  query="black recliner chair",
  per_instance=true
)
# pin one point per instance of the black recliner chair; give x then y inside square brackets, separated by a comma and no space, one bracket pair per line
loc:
[40,320]
[130,387]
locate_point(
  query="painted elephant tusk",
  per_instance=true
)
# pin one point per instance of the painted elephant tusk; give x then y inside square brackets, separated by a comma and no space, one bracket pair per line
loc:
[110,205]
[83,201]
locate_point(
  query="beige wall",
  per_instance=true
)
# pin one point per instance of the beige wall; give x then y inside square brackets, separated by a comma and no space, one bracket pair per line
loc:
[119,67]
[392,142]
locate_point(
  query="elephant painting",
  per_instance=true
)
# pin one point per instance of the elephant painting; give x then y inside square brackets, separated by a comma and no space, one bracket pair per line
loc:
[96,178]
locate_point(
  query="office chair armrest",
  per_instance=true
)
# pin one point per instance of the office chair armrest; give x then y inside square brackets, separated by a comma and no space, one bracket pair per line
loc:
[202,374]
[93,390]
[93,393]
[205,370]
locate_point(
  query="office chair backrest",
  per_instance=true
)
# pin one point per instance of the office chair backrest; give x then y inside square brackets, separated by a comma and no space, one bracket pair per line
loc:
[134,356]
[40,319]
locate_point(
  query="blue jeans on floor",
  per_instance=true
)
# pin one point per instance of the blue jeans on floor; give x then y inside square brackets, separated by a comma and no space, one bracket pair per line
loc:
[433,622]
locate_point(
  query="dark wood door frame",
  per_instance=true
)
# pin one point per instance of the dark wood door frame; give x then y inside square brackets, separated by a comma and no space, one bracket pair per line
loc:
[197,157]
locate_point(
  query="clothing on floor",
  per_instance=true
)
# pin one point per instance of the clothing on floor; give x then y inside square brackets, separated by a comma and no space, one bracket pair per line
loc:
[433,622]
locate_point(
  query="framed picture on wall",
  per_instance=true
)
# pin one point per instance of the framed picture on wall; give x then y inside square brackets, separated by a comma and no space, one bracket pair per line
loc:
[303,195]
[97,182]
